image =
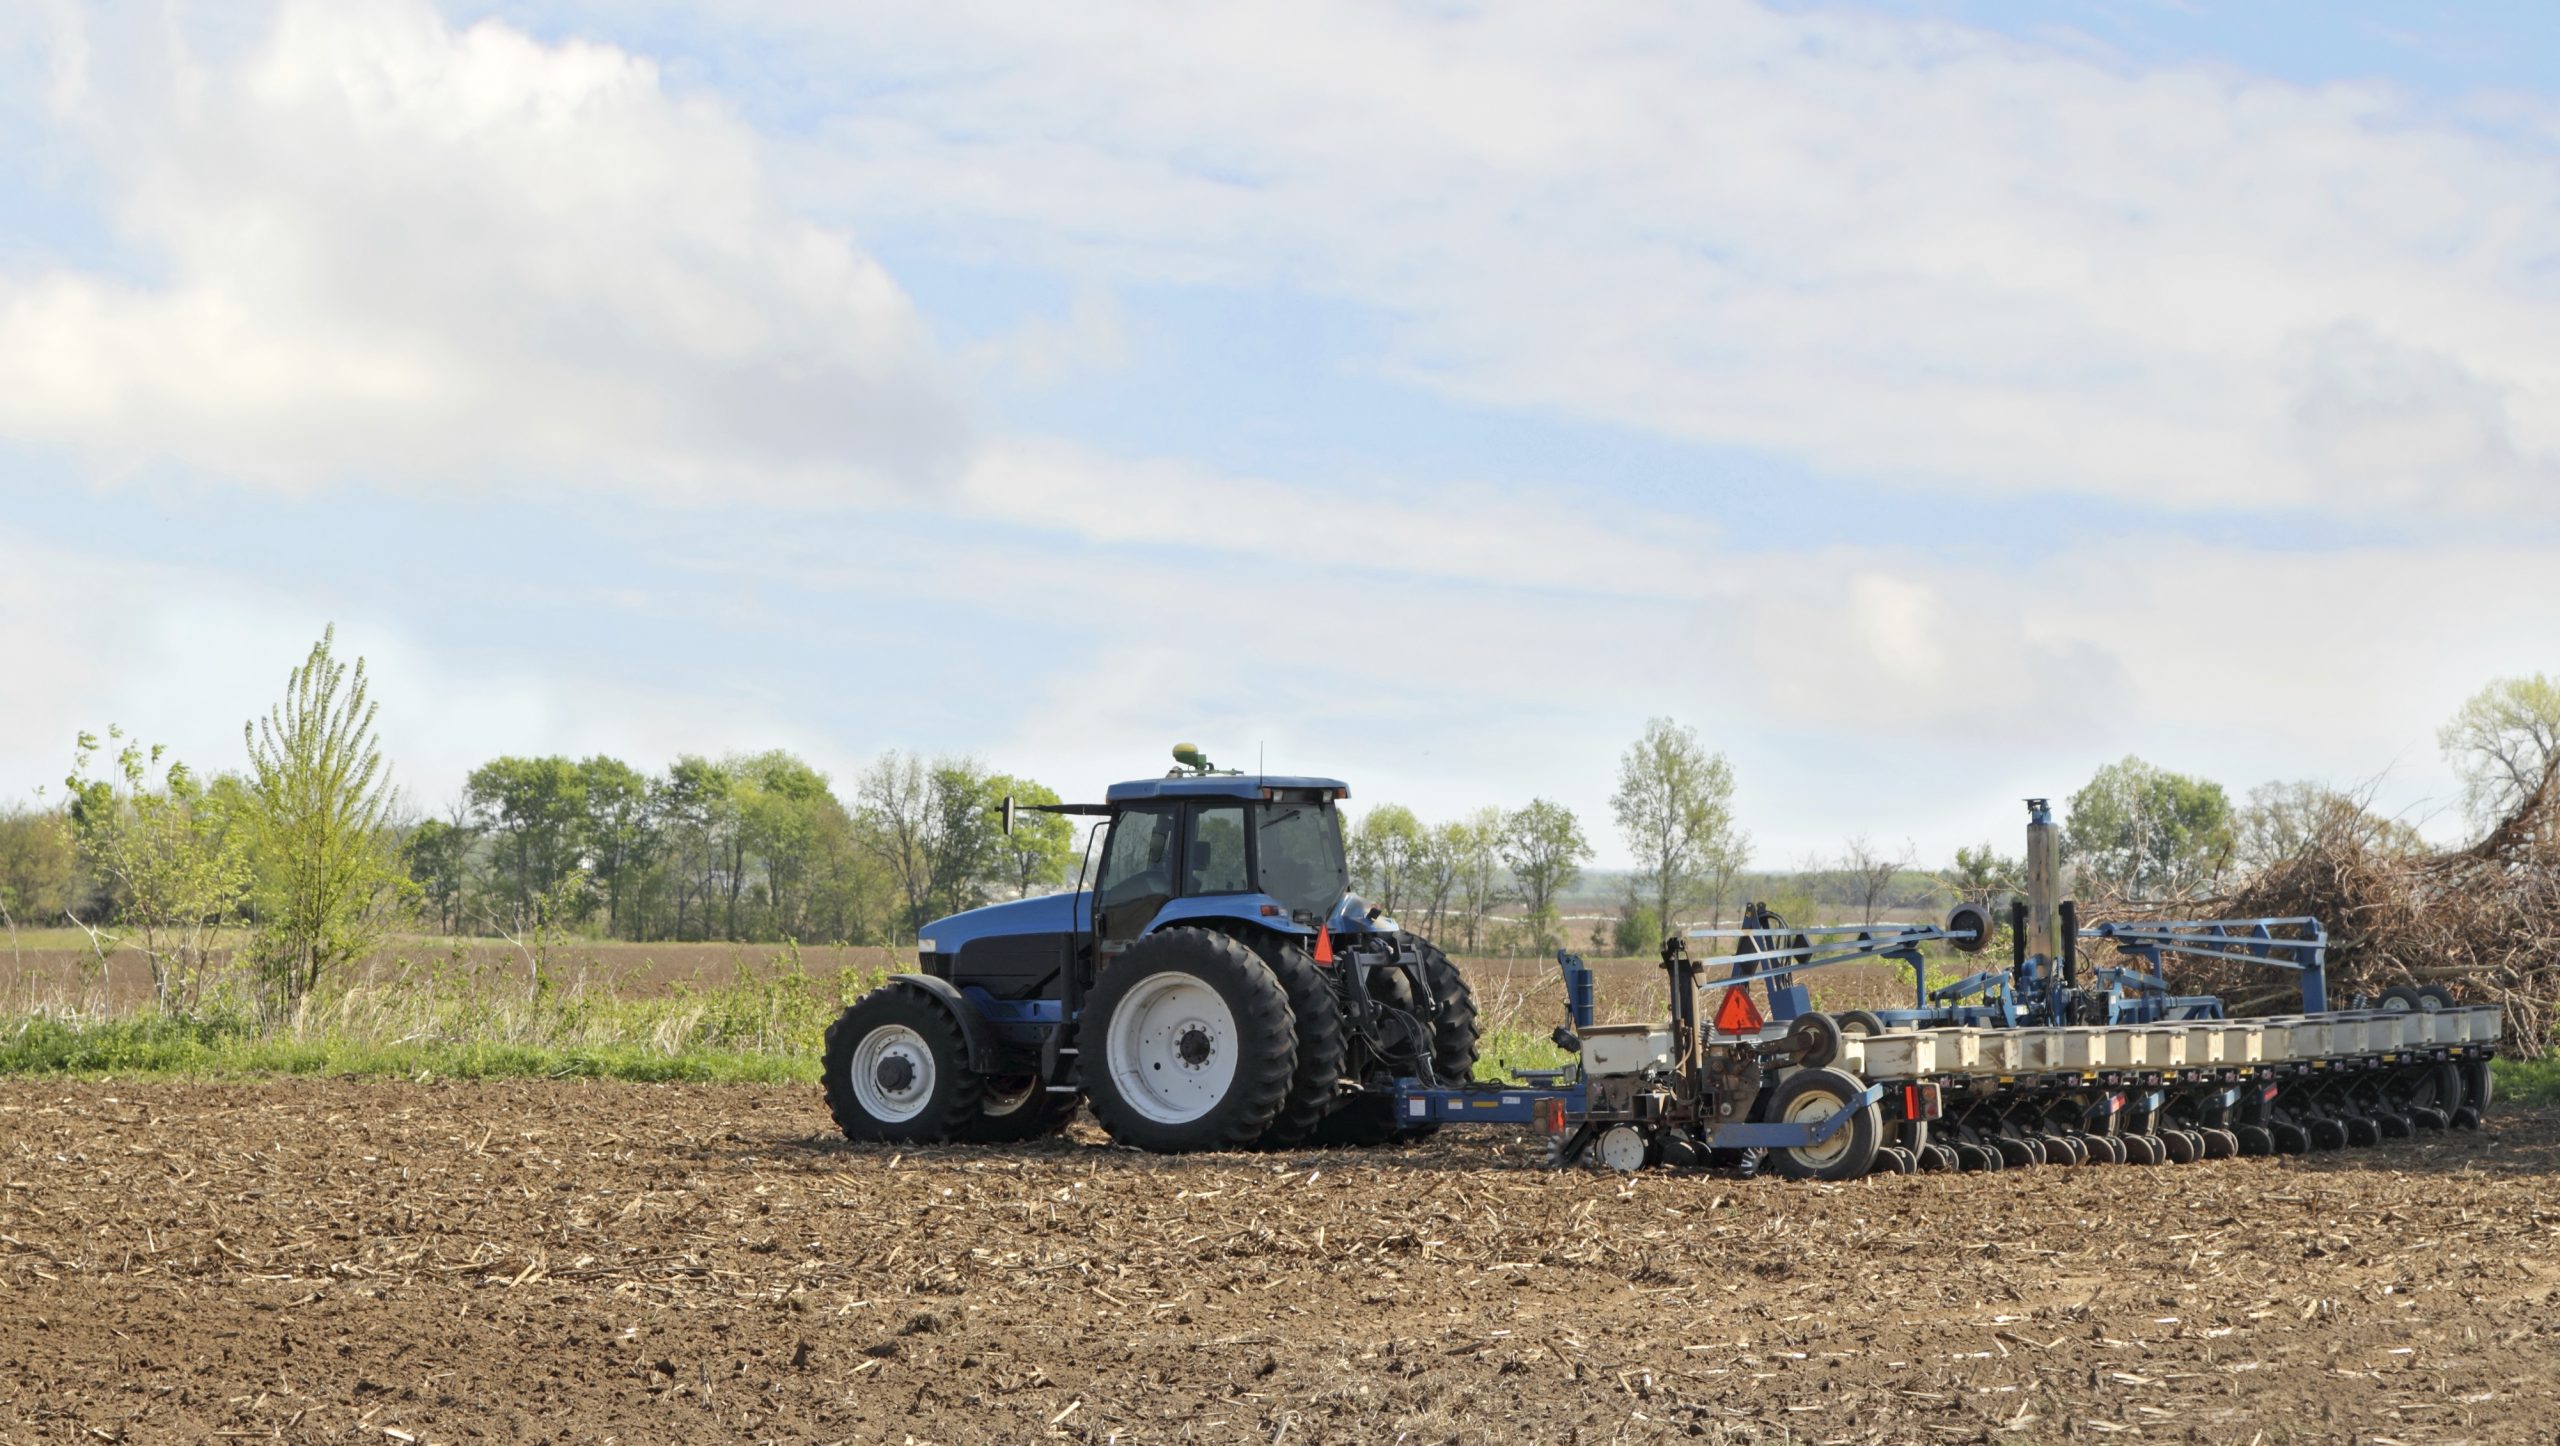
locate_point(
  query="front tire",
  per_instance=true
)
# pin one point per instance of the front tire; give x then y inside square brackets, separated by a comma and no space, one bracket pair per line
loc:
[897,1069]
[1188,1044]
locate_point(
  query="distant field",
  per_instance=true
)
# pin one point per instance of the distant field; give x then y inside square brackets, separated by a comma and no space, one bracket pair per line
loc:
[53,966]
[708,1011]
[58,966]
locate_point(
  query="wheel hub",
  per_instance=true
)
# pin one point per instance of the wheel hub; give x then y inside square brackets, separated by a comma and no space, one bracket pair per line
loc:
[1194,1047]
[896,1074]
[893,1073]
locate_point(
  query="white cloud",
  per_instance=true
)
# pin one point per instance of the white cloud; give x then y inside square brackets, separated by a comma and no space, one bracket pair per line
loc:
[1880,247]
[375,244]
[1515,536]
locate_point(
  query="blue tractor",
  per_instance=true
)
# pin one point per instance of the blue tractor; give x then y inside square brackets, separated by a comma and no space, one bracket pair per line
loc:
[1218,987]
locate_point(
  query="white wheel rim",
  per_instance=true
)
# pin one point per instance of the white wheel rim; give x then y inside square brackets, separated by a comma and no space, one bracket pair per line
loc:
[2396,1004]
[1622,1149]
[1171,1048]
[1811,1109]
[875,1073]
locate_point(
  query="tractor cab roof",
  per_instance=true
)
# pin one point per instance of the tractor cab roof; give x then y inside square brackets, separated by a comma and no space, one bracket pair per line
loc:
[1222,785]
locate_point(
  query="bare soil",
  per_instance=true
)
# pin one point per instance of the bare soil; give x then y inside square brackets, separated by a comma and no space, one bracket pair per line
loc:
[586,1261]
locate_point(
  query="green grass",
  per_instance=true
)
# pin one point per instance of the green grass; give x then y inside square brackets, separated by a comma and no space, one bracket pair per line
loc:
[219,1050]
[1503,1049]
[2527,1081]
[459,1017]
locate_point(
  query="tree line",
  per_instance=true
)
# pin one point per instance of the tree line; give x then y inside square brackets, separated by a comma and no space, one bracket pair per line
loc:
[306,855]
[754,847]
[1673,807]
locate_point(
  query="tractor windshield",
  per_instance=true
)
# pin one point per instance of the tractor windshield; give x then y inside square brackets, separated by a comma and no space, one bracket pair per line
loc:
[1299,848]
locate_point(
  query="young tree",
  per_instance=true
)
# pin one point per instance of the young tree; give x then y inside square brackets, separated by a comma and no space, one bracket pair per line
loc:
[319,826]
[2502,741]
[1042,845]
[1543,847]
[2145,831]
[1383,851]
[1675,806]
[174,868]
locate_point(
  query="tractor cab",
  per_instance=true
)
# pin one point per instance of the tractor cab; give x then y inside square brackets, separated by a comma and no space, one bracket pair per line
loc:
[1200,846]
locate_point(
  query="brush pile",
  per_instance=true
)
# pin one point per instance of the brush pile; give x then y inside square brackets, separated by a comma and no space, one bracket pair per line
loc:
[2483,921]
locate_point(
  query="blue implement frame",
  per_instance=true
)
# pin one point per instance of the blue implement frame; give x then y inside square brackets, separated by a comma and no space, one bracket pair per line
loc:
[1486,1104]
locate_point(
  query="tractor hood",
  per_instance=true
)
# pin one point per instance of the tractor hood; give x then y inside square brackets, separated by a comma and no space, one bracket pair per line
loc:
[1052,914]
[1351,916]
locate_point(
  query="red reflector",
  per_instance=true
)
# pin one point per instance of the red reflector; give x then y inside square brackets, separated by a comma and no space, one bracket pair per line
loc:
[1737,1015]
[1324,944]
[1549,1115]
[1911,1102]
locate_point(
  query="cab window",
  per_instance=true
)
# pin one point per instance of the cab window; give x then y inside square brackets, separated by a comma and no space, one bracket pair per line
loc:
[1301,849]
[1217,851]
[1137,869]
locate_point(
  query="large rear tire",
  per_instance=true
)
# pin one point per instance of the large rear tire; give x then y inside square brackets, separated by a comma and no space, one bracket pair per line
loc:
[1188,1043]
[1454,1030]
[1316,1080]
[1810,1095]
[897,1069]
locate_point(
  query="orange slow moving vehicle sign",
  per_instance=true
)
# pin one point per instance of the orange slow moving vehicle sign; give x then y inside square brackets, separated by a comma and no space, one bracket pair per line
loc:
[1737,1015]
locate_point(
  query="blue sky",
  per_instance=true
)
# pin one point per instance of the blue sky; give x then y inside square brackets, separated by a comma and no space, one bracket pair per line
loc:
[1928,403]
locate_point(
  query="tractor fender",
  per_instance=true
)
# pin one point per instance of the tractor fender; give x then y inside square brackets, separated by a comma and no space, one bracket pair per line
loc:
[1228,909]
[974,1033]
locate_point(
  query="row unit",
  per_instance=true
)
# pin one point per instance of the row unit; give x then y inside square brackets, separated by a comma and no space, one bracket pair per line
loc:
[2174,1045]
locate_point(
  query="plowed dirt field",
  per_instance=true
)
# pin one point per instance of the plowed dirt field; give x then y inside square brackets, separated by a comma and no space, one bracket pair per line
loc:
[332,1260]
